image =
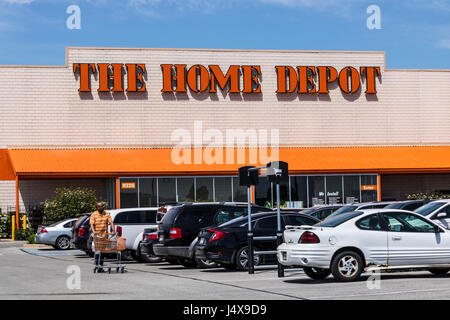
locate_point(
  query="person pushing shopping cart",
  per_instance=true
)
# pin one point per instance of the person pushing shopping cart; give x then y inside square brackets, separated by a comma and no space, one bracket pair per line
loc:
[99,225]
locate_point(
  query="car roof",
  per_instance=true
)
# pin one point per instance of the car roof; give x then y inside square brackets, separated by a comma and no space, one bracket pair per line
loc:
[116,211]
[260,215]
[442,200]
[367,212]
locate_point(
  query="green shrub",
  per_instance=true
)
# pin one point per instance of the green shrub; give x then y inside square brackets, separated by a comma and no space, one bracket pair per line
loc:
[31,239]
[429,195]
[69,203]
[24,234]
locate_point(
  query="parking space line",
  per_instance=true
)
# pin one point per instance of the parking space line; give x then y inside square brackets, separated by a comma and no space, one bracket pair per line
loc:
[58,253]
[223,284]
[378,294]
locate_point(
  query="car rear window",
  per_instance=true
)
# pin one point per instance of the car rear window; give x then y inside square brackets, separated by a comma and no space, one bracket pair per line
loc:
[429,208]
[339,219]
[80,220]
[170,216]
[397,205]
[194,216]
[344,209]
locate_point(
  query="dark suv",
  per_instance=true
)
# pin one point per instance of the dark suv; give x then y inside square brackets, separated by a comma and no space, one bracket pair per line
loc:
[81,234]
[178,231]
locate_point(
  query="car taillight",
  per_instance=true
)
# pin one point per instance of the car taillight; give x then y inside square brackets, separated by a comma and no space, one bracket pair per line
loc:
[217,235]
[175,233]
[119,231]
[308,237]
[81,232]
[43,230]
[152,236]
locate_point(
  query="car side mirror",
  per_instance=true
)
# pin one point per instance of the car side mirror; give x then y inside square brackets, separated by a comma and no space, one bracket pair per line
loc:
[441,215]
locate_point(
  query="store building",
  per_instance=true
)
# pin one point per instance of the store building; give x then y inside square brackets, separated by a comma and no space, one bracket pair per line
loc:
[350,129]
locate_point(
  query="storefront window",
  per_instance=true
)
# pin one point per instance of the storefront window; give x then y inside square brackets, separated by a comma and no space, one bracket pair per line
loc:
[334,189]
[222,188]
[128,193]
[166,190]
[185,188]
[147,192]
[239,192]
[316,190]
[284,193]
[204,190]
[351,189]
[298,192]
[368,188]
[262,192]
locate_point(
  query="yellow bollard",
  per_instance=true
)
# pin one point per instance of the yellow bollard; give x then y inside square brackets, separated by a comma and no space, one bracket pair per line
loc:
[24,217]
[13,227]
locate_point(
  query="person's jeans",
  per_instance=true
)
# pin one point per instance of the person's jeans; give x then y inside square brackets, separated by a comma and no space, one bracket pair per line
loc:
[98,259]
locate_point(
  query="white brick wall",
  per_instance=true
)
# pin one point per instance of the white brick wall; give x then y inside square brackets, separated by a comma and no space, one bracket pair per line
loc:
[7,194]
[42,106]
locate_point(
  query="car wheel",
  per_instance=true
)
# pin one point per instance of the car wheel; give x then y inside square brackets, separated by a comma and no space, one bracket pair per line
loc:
[136,256]
[89,245]
[242,259]
[317,273]
[347,266]
[439,271]
[188,263]
[89,253]
[206,264]
[149,258]
[62,243]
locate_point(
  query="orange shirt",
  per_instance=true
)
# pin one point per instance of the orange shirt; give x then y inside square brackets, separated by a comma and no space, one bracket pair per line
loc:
[100,221]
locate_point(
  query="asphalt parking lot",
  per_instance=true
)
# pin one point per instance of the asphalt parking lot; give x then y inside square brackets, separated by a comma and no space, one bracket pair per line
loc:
[42,274]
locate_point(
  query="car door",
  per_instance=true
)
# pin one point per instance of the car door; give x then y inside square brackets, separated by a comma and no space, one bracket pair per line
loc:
[445,220]
[131,224]
[266,227]
[372,238]
[412,240]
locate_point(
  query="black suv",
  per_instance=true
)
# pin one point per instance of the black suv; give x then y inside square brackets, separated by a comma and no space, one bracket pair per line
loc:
[178,231]
[81,232]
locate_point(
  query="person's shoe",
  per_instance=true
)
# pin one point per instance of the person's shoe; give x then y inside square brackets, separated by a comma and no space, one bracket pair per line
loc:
[100,270]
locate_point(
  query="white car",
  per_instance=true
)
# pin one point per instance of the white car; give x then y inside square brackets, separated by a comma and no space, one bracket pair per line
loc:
[438,211]
[353,242]
[130,224]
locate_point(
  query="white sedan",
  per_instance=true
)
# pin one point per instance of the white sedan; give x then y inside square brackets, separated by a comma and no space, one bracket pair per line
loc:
[348,244]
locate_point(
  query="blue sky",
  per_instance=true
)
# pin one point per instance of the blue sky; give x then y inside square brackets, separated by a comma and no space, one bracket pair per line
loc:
[414,33]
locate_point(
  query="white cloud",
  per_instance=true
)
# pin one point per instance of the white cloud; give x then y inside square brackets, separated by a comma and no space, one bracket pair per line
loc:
[444,43]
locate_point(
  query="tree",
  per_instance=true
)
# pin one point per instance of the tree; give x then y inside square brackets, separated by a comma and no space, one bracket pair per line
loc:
[69,203]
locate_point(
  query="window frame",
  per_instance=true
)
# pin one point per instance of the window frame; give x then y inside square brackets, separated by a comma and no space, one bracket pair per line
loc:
[383,224]
[418,216]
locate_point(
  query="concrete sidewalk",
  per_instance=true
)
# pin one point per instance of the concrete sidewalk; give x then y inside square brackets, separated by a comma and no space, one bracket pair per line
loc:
[5,243]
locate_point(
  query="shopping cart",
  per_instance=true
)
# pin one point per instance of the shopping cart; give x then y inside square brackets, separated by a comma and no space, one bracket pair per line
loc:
[109,243]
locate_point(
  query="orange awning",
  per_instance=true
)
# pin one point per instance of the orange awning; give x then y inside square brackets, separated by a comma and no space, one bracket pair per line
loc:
[134,161]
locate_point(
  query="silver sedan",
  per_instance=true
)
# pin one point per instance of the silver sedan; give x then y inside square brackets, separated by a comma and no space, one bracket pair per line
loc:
[57,235]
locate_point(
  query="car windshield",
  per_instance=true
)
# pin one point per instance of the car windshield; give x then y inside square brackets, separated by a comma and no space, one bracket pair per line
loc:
[308,211]
[337,220]
[429,208]
[397,205]
[342,210]
[56,223]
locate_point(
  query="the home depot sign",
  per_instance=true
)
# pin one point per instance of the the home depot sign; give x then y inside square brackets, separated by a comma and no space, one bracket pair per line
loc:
[179,78]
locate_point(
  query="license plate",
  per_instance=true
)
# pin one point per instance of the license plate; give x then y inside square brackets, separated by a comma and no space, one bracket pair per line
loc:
[161,238]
